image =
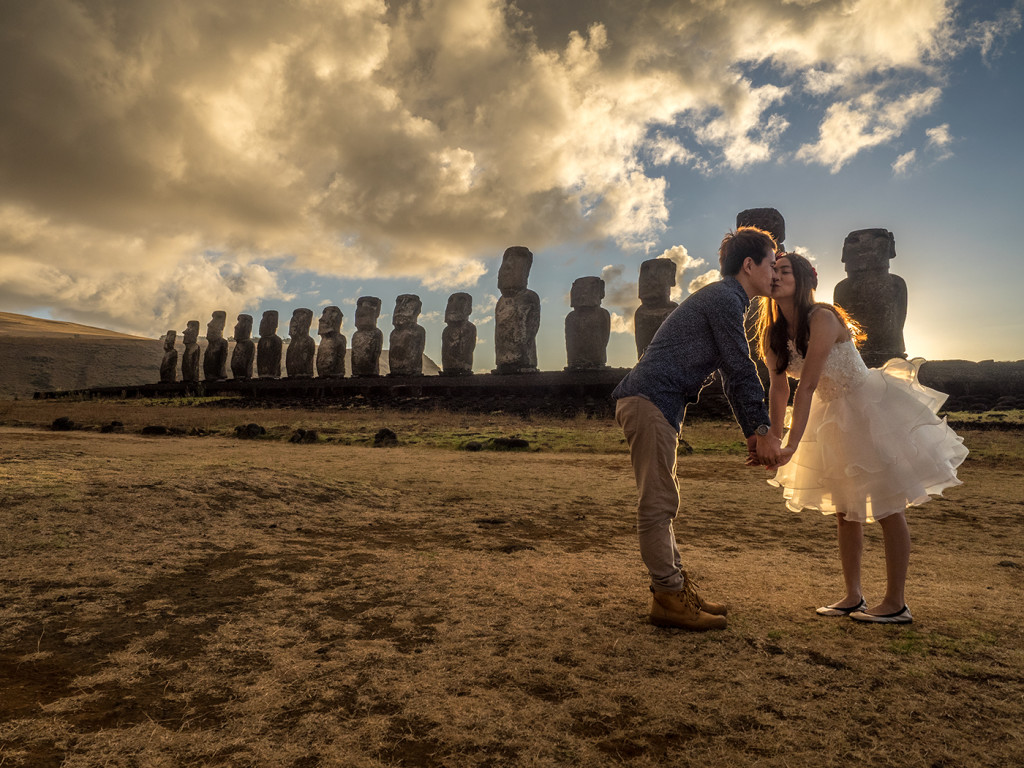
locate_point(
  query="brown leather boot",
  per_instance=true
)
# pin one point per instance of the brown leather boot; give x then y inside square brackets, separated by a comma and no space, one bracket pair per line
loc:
[679,609]
[717,609]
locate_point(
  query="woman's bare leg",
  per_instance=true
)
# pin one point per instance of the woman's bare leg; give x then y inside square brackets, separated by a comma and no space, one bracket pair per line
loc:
[851,547]
[896,536]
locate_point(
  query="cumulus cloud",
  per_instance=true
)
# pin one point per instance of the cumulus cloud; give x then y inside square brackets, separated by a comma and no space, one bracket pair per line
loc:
[903,163]
[939,142]
[621,294]
[709,277]
[229,144]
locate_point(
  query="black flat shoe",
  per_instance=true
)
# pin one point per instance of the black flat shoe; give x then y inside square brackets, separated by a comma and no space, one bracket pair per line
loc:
[828,610]
[902,616]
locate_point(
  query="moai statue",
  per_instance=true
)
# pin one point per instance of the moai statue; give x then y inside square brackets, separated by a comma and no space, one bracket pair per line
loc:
[190,359]
[368,340]
[215,360]
[768,219]
[301,349]
[588,327]
[876,299]
[458,339]
[244,353]
[657,277]
[517,315]
[169,364]
[268,349]
[330,357]
[772,222]
[405,347]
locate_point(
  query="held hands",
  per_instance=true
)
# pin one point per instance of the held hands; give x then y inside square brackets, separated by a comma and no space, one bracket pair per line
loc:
[767,451]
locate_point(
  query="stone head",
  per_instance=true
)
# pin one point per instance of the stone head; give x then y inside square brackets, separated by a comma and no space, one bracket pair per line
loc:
[243,327]
[169,340]
[869,250]
[514,272]
[460,305]
[215,328]
[657,277]
[367,312]
[301,320]
[768,219]
[407,309]
[268,323]
[191,333]
[586,292]
[330,321]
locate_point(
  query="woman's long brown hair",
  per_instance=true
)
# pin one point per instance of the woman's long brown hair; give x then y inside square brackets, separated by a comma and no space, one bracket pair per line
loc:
[772,326]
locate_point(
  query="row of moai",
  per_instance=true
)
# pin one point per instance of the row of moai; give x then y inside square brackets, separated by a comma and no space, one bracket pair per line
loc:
[876,299]
[517,322]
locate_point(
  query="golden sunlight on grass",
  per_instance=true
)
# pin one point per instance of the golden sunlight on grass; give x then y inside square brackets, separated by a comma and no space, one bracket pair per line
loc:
[206,600]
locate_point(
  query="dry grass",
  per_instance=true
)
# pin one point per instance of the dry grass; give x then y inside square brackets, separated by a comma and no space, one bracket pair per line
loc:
[208,601]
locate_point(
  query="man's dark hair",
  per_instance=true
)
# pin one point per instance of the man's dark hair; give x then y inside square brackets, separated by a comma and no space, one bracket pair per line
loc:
[737,246]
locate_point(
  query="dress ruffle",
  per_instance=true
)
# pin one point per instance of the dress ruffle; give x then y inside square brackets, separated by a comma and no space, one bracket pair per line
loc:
[875,449]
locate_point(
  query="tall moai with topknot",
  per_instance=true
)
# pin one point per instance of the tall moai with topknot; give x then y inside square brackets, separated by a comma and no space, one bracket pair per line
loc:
[657,278]
[408,340]
[517,315]
[588,327]
[458,339]
[368,339]
[244,353]
[299,359]
[169,363]
[772,222]
[215,359]
[268,349]
[190,357]
[873,297]
[330,356]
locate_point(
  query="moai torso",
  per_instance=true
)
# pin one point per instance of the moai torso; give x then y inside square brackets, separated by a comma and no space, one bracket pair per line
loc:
[772,222]
[517,315]
[244,353]
[458,339]
[169,364]
[301,349]
[190,357]
[215,360]
[407,341]
[874,298]
[657,277]
[268,349]
[588,327]
[330,357]
[368,339]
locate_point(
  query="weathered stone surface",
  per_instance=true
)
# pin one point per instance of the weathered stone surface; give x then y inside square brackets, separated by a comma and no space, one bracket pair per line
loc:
[63,424]
[169,363]
[215,360]
[249,431]
[458,339]
[368,340]
[244,353]
[301,349]
[385,438]
[268,350]
[407,341]
[517,315]
[587,327]
[304,436]
[874,298]
[190,358]
[330,357]
[768,219]
[657,278]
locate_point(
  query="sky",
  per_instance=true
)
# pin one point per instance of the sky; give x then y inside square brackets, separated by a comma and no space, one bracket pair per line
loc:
[162,160]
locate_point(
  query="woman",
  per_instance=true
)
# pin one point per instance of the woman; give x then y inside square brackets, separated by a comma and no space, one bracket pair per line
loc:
[863,444]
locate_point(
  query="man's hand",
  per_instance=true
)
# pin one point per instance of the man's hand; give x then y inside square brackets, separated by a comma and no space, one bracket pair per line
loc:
[752,460]
[784,456]
[768,449]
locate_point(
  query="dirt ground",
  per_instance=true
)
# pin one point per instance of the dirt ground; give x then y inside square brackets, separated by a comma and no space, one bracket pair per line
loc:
[211,601]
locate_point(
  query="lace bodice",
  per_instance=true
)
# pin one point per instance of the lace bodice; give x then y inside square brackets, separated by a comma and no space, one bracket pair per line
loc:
[844,369]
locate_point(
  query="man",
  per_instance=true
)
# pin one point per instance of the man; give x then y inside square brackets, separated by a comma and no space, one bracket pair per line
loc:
[704,334]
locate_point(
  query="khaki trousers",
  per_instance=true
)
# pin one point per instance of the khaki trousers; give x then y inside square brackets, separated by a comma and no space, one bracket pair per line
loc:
[652,451]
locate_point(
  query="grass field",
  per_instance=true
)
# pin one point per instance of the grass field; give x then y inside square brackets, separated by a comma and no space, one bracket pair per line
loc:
[203,600]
